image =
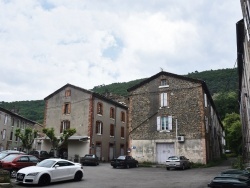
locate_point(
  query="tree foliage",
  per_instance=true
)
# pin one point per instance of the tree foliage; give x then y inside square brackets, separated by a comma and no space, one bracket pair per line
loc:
[58,142]
[27,137]
[233,132]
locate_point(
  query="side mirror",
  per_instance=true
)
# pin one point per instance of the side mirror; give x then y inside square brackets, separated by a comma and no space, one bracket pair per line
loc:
[56,166]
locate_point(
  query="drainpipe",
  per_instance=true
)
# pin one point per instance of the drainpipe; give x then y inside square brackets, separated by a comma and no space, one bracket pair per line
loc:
[176,139]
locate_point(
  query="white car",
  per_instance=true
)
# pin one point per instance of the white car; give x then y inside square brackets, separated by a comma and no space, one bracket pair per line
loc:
[50,170]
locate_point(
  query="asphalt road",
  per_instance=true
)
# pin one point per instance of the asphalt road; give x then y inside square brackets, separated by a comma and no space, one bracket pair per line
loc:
[104,176]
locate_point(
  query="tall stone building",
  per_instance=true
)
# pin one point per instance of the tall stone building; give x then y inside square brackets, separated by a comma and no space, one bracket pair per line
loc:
[173,115]
[100,123]
[9,122]
[243,61]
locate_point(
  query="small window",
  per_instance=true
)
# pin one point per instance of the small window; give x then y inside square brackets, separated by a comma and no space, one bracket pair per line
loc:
[112,128]
[123,116]
[99,108]
[163,82]
[66,108]
[112,113]
[99,128]
[164,99]
[4,134]
[164,123]
[65,125]
[68,93]
[122,132]
[6,119]
[11,135]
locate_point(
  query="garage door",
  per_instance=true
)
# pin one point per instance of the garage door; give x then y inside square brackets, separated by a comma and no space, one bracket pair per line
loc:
[163,151]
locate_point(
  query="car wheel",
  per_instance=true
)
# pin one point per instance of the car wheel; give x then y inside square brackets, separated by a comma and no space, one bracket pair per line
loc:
[13,173]
[127,166]
[96,163]
[183,167]
[44,180]
[168,168]
[78,176]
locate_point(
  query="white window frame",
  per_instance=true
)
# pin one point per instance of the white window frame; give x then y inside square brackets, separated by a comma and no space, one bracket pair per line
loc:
[163,83]
[164,123]
[164,99]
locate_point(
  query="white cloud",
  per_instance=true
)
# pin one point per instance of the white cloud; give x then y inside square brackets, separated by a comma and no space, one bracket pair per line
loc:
[46,44]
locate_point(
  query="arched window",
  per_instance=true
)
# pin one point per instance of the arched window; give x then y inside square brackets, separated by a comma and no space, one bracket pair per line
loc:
[99,108]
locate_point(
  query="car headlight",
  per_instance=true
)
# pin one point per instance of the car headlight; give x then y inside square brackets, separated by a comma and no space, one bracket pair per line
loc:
[33,174]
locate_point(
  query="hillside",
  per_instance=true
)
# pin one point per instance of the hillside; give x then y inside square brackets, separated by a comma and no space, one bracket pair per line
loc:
[218,81]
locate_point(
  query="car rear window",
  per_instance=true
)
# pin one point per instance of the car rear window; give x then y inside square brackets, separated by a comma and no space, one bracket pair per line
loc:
[10,158]
[173,158]
[121,157]
[89,156]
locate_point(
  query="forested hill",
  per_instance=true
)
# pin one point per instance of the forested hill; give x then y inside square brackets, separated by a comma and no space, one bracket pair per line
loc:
[218,81]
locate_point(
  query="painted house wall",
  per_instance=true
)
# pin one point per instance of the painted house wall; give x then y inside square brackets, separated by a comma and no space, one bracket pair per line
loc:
[186,105]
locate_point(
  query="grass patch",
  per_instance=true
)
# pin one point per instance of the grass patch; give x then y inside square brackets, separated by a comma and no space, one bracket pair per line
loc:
[146,164]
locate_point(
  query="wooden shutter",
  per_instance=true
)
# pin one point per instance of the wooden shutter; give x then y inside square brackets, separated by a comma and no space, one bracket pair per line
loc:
[122,132]
[63,109]
[69,108]
[101,124]
[170,123]
[158,123]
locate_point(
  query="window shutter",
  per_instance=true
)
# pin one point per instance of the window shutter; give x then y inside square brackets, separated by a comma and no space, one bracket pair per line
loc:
[101,127]
[63,109]
[165,98]
[205,99]
[170,123]
[69,108]
[158,123]
[68,125]
[162,97]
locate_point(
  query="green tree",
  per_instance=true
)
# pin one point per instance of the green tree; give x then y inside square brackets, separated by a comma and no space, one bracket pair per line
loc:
[27,137]
[58,142]
[233,132]
[226,103]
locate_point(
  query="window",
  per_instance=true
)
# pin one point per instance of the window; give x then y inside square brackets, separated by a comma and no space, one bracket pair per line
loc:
[13,122]
[122,132]
[112,130]
[99,108]
[164,123]
[11,135]
[17,123]
[3,134]
[123,116]
[65,125]
[66,108]
[112,113]
[163,83]
[164,99]
[99,128]
[67,93]
[6,119]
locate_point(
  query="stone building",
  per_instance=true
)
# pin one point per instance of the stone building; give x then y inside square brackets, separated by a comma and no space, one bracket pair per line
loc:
[243,61]
[173,115]
[100,123]
[9,122]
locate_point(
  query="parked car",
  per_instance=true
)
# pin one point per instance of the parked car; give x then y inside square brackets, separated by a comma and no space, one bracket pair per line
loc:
[15,162]
[50,170]
[229,181]
[178,162]
[233,172]
[5,153]
[89,159]
[40,154]
[125,161]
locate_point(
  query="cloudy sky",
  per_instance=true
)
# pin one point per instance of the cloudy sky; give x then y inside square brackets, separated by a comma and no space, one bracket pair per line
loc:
[45,44]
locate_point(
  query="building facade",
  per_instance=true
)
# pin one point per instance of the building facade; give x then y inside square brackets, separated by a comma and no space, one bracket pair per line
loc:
[100,123]
[9,122]
[243,59]
[173,115]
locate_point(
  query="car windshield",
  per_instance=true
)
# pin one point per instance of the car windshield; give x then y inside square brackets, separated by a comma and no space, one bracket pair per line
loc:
[46,163]
[89,156]
[2,155]
[121,157]
[173,158]
[10,158]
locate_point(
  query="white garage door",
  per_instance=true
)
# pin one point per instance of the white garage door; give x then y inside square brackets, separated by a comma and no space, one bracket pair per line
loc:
[163,151]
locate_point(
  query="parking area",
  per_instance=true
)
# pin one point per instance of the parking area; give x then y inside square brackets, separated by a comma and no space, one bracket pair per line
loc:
[147,177]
